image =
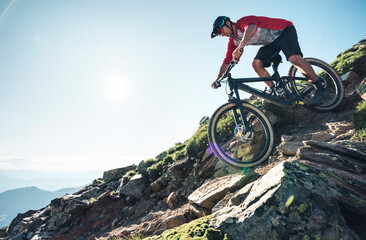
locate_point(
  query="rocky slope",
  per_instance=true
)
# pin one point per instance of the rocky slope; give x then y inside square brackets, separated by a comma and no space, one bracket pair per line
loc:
[312,187]
[22,199]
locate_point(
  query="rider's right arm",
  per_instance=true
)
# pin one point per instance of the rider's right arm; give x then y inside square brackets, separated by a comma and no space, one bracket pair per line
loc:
[221,72]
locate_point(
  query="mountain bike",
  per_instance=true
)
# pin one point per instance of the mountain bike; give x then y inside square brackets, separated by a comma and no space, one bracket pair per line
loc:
[241,134]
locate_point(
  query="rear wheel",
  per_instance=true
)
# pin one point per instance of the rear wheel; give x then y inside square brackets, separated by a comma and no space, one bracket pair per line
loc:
[233,143]
[330,81]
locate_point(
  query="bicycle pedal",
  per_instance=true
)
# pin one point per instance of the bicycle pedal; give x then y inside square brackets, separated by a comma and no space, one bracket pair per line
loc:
[300,102]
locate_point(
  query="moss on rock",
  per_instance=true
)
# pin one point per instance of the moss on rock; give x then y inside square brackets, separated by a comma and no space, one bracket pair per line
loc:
[198,229]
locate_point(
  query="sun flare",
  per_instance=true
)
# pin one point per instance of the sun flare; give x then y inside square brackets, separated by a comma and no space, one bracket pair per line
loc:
[116,89]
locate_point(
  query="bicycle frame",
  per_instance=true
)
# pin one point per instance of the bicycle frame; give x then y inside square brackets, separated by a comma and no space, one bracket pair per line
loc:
[236,84]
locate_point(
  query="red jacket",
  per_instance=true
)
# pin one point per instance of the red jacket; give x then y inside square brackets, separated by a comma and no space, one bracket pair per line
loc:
[268,29]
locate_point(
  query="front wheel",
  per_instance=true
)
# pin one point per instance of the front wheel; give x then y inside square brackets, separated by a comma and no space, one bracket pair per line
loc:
[329,79]
[233,143]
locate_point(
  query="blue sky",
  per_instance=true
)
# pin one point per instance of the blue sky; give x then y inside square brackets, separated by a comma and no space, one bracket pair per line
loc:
[95,85]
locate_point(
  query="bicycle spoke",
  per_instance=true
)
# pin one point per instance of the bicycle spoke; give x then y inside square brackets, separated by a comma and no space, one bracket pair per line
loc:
[237,144]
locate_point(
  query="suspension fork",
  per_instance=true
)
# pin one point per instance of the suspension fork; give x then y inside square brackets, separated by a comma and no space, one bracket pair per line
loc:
[243,121]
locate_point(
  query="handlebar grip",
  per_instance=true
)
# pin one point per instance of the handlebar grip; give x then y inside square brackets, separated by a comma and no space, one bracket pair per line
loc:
[217,84]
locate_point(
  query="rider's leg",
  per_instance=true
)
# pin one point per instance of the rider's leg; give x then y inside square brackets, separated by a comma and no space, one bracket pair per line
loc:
[261,71]
[304,67]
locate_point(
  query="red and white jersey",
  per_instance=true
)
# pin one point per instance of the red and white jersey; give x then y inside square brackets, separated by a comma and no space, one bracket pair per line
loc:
[268,30]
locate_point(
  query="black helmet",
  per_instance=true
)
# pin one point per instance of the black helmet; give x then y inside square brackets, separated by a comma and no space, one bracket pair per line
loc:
[219,22]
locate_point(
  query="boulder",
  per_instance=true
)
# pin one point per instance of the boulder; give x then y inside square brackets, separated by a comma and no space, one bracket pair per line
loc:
[361,89]
[172,199]
[289,148]
[215,189]
[117,173]
[135,187]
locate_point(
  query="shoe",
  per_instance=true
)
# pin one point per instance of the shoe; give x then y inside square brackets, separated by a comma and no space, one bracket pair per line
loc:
[275,91]
[319,97]
[269,91]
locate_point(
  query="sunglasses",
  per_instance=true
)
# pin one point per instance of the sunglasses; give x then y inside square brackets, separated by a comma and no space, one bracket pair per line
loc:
[221,27]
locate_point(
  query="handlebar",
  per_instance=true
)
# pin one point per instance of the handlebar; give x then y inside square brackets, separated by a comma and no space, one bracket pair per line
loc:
[226,74]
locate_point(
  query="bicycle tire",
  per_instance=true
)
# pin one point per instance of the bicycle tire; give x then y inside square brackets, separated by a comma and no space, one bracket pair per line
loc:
[227,147]
[331,81]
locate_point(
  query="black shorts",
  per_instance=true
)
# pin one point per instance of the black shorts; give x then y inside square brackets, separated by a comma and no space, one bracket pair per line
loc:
[287,42]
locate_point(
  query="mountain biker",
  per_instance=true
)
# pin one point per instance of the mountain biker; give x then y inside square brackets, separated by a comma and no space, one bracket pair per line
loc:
[274,35]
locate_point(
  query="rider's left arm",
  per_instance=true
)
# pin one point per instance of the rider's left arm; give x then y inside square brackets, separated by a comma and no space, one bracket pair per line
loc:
[248,34]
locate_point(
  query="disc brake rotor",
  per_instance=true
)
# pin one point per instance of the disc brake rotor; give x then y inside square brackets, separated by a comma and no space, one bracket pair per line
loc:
[242,134]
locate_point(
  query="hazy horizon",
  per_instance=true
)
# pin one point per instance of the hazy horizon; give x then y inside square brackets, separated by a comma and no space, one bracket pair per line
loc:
[45,180]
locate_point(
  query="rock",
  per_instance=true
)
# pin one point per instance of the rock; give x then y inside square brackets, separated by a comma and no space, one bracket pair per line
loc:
[291,201]
[122,182]
[215,189]
[287,138]
[351,79]
[322,136]
[351,96]
[103,195]
[207,167]
[338,128]
[361,89]
[165,192]
[329,159]
[289,148]
[204,120]
[20,236]
[172,199]
[345,76]
[117,173]
[172,221]
[223,169]
[15,226]
[90,193]
[3,232]
[345,136]
[180,169]
[355,150]
[271,117]
[134,187]
[156,186]
[93,237]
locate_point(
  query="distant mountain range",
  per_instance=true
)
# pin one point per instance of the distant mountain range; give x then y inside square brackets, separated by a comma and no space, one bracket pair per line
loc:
[48,180]
[21,200]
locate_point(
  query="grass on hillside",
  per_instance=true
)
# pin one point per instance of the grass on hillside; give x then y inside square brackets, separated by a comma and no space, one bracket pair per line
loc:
[359,120]
[351,60]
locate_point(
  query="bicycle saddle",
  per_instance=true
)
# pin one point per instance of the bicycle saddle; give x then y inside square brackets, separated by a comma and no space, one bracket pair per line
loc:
[275,60]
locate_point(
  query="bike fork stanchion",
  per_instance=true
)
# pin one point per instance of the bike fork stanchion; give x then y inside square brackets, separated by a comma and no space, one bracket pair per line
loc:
[242,113]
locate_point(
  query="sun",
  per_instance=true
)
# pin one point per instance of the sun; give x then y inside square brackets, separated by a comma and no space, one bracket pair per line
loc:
[116,89]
